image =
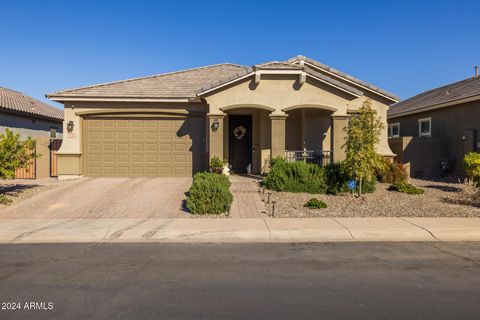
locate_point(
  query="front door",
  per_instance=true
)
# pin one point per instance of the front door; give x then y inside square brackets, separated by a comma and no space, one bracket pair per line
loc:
[240,142]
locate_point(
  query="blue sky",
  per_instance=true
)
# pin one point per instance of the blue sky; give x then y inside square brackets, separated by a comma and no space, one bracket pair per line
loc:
[404,47]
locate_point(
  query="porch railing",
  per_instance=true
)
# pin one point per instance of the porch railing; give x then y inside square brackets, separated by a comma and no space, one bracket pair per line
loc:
[321,158]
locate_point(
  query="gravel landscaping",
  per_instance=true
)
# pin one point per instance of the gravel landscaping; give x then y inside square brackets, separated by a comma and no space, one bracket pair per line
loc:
[17,190]
[441,199]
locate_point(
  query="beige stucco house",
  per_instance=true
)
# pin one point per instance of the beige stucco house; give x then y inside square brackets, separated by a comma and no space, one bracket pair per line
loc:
[172,124]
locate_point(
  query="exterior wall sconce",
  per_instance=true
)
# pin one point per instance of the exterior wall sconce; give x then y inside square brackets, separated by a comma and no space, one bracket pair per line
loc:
[215,125]
[70,126]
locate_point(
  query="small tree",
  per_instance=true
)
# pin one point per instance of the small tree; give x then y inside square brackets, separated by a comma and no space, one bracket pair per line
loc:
[363,133]
[14,154]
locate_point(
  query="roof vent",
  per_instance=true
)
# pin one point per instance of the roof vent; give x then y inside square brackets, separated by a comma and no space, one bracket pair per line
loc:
[476,71]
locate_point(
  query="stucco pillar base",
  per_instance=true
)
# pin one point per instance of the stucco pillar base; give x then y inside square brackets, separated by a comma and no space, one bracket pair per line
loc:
[216,137]
[339,124]
[278,135]
[69,165]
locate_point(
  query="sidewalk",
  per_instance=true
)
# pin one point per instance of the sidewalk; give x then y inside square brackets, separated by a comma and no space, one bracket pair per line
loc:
[239,230]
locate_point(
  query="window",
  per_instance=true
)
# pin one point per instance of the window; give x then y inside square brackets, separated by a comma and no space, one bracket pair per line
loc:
[53,132]
[394,130]
[425,127]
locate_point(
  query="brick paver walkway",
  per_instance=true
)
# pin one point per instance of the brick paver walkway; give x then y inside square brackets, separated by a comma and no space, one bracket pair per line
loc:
[246,201]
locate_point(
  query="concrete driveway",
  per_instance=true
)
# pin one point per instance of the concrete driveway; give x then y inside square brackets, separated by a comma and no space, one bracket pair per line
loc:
[160,197]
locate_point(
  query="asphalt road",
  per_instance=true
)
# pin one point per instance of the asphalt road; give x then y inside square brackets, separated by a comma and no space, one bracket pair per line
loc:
[242,281]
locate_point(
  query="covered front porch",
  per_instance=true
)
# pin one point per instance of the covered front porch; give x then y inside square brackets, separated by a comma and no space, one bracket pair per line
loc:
[249,136]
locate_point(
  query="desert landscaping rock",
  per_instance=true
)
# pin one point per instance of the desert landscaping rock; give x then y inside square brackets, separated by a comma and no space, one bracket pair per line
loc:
[441,199]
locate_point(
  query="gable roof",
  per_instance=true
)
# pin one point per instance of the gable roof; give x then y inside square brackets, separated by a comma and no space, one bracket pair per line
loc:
[345,76]
[175,85]
[280,66]
[189,84]
[447,95]
[18,102]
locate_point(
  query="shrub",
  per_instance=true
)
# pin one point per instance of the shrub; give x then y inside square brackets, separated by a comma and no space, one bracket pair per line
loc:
[4,199]
[471,162]
[369,186]
[315,204]
[216,165]
[405,187]
[14,154]
[209,194]
[393,172]
[295,177]
[336,178]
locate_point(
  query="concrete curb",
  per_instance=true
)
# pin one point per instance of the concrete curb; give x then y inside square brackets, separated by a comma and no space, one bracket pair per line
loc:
[239,230]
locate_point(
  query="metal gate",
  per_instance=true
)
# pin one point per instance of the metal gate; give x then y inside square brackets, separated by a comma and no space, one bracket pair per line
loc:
[29,172]
[55,145]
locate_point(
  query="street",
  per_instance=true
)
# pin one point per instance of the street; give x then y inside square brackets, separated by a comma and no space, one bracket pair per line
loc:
[395,280]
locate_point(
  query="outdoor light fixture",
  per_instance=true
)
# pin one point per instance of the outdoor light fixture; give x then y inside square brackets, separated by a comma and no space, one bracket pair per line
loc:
[70,126]
[215,125]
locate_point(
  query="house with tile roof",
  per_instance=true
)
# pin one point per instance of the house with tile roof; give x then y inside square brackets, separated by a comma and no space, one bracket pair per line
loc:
[171,124]
[437,126]
[32,118]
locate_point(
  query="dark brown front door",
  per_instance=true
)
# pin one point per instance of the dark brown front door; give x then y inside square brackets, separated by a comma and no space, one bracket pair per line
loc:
[240,142]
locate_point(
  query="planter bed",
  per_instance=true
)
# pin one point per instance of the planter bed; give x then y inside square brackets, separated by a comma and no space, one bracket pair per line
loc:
[441,199]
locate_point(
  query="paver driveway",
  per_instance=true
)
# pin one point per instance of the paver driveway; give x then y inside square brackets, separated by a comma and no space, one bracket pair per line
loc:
[160,197]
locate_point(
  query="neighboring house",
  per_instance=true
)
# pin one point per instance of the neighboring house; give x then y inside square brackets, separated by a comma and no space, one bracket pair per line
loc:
[172,124]
[32,118]
[440,125]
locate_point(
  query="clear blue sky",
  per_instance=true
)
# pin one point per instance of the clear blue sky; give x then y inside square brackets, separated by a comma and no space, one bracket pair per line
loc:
[402,46]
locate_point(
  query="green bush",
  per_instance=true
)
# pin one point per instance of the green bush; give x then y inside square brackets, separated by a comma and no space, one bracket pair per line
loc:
[393,172]
[471,163]
[4,199]
[209,194]
[315,204]
[369,186]
[295,177]
[216,165]
[405,187]
[336,178]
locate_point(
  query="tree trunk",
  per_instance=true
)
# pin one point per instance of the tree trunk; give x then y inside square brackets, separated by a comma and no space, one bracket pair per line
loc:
[360,187]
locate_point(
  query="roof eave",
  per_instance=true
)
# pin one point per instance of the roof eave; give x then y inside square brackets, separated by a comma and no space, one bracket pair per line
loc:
[434,107]
[60,98]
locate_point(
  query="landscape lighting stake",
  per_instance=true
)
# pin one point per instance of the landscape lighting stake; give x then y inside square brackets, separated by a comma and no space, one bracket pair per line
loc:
[273,208]
[268,197]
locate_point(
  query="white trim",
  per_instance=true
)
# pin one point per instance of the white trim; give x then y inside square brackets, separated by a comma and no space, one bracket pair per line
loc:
[281,71]
[429,134]
[60,99]
[226,84]
[348,80]
[436,106]
[390,128]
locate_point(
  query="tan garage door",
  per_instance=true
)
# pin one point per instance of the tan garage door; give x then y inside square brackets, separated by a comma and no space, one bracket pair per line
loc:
[142,147]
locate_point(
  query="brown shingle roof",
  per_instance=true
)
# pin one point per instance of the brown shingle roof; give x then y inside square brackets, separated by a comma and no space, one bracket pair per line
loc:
[193,82]
[345,76]
[18,102]
[446,94]
[179,84]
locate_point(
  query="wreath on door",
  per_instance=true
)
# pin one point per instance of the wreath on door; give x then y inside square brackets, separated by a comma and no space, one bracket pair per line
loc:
[239,132]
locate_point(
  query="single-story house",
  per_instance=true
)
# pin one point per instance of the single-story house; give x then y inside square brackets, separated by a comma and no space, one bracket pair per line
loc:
[32,118]
[171,124]
[439,125]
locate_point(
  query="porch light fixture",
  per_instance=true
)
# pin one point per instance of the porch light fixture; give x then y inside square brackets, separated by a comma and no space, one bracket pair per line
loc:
[70,126]
[215,125]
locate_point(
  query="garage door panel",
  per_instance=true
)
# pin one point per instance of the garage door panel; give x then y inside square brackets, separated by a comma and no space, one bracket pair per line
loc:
[142,147]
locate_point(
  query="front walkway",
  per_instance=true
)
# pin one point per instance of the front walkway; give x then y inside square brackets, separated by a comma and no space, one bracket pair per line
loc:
[246,201]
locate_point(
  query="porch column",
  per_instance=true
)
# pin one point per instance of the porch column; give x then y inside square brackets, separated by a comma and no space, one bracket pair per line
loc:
[215,134]
[339,123]
[278,135]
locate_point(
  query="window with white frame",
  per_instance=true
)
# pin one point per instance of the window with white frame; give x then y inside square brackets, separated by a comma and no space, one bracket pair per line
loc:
[394,130]
[425,127]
